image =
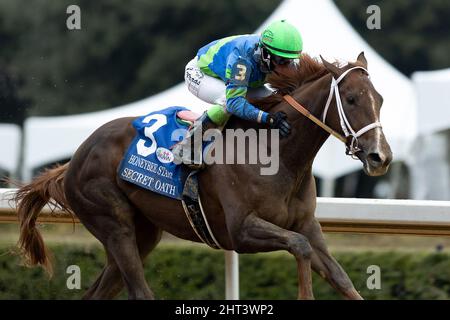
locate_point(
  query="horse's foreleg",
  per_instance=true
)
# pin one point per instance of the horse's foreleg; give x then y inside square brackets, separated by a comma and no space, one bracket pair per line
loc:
[325,265]
[258,235]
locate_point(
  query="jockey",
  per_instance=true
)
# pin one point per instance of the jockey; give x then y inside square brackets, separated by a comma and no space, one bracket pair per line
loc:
[227,71]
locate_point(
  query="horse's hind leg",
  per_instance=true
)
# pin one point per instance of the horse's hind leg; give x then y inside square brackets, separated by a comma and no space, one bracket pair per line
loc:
[109,284]
[106,213]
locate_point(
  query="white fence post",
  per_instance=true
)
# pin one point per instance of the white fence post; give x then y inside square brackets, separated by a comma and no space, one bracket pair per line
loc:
[231,275]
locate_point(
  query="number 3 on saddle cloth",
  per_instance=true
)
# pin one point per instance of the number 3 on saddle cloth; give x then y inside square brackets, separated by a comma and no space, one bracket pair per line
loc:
[148,163]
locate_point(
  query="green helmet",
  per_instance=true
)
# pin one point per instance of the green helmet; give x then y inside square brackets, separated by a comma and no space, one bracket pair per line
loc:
[282,39]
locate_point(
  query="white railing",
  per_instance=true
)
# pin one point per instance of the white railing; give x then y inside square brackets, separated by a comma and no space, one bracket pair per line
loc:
[335,215]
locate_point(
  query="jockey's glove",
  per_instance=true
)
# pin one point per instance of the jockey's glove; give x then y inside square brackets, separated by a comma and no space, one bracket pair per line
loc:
[279,121]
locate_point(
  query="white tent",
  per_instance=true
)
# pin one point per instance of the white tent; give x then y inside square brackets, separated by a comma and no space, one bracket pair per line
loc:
[10,135]
[433,95]
[50,139]
[430,165]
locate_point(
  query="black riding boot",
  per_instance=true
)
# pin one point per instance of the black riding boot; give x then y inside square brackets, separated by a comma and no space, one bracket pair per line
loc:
[189,151]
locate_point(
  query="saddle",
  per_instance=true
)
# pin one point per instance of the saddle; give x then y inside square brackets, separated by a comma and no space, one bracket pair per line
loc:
[188,117]
[148,163]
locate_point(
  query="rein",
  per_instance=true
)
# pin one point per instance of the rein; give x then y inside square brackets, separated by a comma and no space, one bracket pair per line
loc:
[345,124]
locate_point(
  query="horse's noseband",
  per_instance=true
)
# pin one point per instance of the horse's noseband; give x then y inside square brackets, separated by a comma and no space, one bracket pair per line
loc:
[345,124]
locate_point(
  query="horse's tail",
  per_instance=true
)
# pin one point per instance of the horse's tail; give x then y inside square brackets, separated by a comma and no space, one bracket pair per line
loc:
[30,199]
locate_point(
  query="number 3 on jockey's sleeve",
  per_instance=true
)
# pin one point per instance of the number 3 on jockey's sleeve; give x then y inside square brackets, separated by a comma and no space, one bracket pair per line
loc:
[240,73]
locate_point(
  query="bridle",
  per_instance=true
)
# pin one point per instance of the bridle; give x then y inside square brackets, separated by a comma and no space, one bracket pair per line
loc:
[345,124]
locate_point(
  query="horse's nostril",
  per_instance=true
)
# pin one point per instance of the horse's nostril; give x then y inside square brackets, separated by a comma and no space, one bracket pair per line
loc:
[374,158]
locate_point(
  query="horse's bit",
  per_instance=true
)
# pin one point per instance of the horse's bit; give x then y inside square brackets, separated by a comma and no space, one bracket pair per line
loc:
[345,124]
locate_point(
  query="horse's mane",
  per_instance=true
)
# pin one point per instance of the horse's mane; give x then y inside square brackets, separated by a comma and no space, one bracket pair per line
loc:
[308,70]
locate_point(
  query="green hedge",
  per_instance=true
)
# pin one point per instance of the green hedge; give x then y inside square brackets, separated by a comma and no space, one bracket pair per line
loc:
[193,272]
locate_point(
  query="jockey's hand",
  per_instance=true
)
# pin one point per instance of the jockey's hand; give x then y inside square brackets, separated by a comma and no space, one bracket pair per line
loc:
[279,121]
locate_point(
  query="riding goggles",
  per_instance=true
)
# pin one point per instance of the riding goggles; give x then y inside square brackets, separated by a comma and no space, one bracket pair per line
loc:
[280,60]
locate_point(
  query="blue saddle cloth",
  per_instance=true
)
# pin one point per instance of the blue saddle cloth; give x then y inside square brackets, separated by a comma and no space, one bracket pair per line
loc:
[148,161]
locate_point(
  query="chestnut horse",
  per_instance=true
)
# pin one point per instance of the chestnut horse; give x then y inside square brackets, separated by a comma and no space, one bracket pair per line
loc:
[247,212]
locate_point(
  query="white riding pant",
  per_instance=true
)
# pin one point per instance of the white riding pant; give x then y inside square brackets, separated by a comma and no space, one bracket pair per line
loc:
[212,90]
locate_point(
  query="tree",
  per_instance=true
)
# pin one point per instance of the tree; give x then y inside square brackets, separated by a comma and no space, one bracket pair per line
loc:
[413,36]
[126,52]
[12,108]
[123,52]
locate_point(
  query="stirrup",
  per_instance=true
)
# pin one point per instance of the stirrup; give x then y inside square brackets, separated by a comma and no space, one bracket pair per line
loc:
[178,150]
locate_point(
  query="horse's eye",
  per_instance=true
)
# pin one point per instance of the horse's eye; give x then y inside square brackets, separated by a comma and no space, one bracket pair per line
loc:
[351,99]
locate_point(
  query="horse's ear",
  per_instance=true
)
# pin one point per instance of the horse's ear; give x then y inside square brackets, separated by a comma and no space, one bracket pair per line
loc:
[362,59]
[335,70]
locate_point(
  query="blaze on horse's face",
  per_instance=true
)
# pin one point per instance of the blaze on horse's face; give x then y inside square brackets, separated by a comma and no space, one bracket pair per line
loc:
[362,105]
